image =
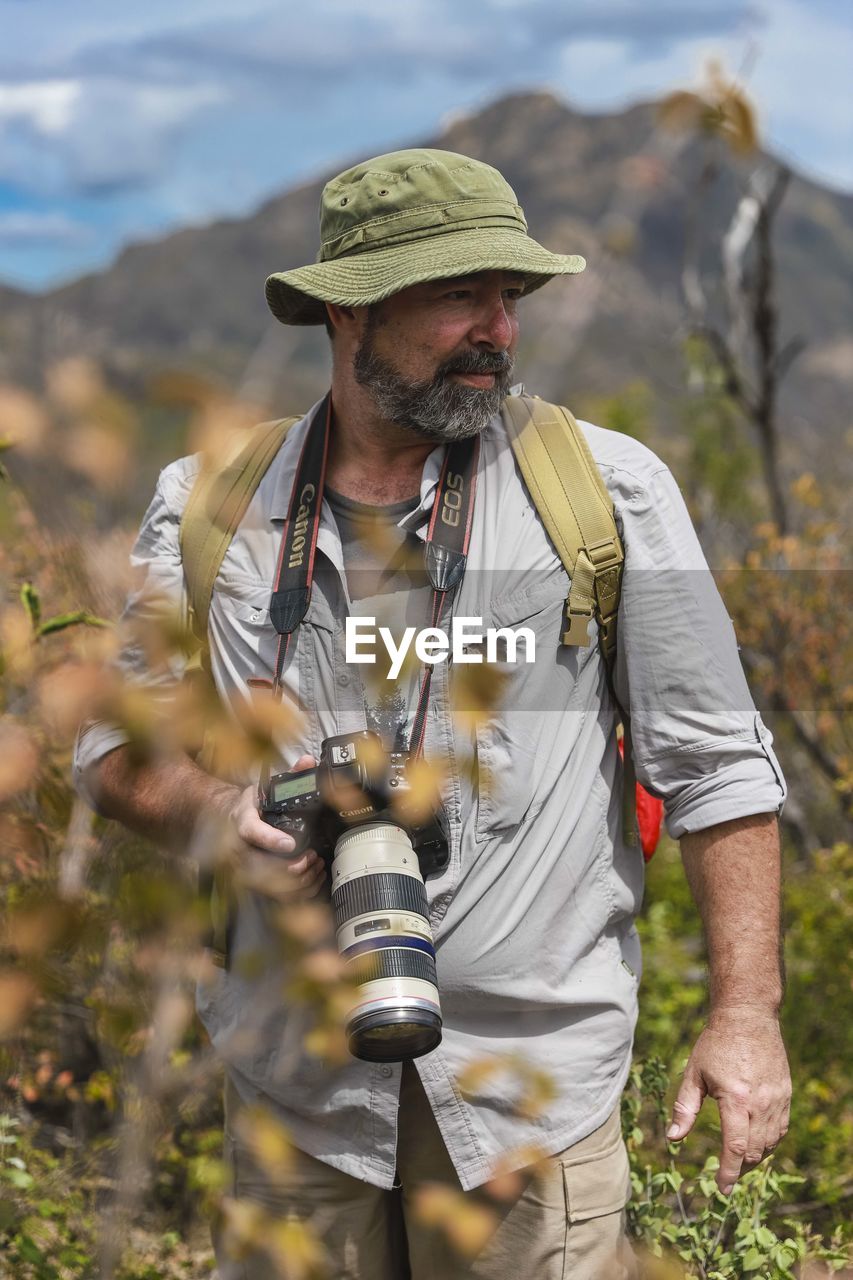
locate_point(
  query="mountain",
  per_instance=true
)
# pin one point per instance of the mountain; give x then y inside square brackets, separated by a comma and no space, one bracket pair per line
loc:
[613,187]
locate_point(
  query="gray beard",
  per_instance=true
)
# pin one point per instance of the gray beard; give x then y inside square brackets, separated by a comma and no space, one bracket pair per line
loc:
[437,409]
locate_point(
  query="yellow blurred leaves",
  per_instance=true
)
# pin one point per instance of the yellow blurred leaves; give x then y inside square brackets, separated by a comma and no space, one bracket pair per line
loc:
[18,993]
[18,759]
[20,844]
[324,965]
[530,1087]
[81,422]
[17,644]
[290,1245]
[720,109]
[74,385]
[478,690]
[267,1140]
[98,427]
[806,490]
[39,925]
[73,692]
[467,1223]
[308,923]
[415,805]
[328,1043]
[266,724]
[100,453]
[23,421]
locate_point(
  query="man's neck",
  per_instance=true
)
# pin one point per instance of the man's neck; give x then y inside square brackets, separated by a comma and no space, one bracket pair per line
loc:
[371,459]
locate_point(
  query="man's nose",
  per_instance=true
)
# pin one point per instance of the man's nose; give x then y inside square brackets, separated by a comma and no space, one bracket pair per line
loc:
[493,328]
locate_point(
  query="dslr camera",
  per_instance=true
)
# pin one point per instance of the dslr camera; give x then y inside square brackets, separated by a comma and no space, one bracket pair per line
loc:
[359,810]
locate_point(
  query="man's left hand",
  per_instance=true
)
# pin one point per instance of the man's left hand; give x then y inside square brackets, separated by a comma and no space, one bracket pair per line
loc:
[740,1060]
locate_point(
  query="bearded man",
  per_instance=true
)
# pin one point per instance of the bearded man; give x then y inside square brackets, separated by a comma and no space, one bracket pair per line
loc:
[424,260]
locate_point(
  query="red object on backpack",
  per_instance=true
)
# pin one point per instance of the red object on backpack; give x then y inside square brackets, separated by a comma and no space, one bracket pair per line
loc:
[649,816]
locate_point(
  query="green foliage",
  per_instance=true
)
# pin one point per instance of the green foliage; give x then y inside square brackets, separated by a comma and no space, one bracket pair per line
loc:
[101,950]
[818,1022]
[721,462]
[676,1204]
[46,1226]
[77,618]
[686,1217]
[49,1227]
[31,601]
[32,604]
[629,411]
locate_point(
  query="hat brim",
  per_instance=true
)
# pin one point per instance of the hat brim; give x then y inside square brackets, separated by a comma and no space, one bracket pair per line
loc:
[359,279]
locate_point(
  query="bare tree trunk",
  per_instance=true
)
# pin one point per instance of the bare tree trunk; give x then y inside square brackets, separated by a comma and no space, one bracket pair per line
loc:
[765,328]
[753,321]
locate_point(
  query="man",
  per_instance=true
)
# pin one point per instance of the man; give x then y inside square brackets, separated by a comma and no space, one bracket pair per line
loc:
[425,256]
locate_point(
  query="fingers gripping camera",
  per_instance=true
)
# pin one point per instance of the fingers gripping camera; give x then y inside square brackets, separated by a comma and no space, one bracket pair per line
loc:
[348,810]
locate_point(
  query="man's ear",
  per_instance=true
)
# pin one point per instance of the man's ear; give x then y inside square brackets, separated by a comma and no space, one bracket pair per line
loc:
[340,319]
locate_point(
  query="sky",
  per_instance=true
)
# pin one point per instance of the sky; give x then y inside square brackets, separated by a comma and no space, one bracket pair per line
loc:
[121,122]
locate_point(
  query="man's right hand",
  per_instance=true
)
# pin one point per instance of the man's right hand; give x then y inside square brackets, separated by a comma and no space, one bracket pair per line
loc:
[168,800]
[265,854]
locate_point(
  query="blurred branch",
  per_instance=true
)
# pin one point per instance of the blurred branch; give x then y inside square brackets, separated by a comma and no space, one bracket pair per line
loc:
[769,190]
[753,320]
[77,851]
[172,1012]
[733,382]
[721,114]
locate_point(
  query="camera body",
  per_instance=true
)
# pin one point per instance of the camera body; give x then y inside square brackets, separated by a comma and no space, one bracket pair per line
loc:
[356,782]
[360,809]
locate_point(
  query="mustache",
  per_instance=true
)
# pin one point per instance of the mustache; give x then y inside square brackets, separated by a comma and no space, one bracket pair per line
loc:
[497,362]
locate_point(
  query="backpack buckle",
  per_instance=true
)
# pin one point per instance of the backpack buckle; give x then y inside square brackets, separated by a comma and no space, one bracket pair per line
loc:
[605,554]
[577,630]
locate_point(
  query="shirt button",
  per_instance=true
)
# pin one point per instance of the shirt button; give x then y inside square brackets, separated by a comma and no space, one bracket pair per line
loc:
[343,678]
[387,1072]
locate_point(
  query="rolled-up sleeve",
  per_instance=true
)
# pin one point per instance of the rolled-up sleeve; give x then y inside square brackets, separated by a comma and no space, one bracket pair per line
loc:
[698,741]
[159,592]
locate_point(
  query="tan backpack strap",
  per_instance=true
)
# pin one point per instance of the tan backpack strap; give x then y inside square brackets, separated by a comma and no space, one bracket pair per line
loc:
[216,505]
[573,503]
[572,500]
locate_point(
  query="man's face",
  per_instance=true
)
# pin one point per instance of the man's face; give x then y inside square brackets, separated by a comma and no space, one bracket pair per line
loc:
[438,357]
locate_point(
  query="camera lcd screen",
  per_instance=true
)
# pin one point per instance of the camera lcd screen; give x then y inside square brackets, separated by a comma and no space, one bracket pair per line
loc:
[295,787]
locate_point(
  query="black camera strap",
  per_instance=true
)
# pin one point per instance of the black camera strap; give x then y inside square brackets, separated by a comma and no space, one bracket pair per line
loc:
[295,571]
[445,549]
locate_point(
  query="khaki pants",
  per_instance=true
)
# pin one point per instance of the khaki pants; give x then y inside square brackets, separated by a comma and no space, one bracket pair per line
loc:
[565,1222]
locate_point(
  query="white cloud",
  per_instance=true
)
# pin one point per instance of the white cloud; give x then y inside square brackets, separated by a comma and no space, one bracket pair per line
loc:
[797,71]
[123,134]
[161,114]
[134,82]
[101,133]
[42,228]
[47,105]
[802,82]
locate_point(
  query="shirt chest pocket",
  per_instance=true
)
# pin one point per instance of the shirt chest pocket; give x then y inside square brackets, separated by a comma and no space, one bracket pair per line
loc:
[242,639]
[529,690]
[244,643]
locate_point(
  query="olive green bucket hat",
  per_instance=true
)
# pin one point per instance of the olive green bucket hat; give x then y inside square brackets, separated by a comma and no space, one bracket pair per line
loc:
[405,218]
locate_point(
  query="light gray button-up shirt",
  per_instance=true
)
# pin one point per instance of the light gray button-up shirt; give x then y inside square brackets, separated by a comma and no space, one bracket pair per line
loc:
[537,955]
